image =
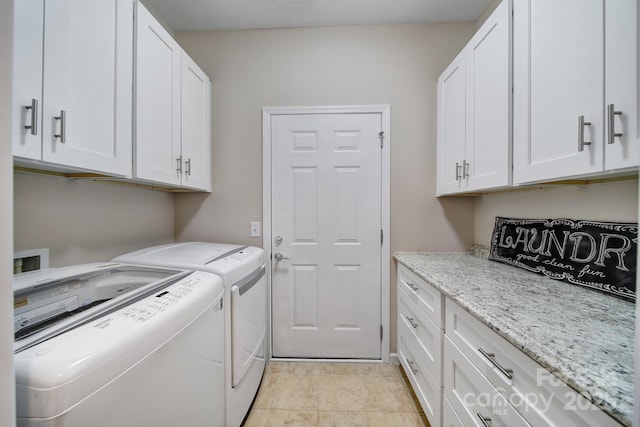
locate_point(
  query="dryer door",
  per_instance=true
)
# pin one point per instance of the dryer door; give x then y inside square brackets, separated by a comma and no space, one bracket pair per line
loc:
[248,323]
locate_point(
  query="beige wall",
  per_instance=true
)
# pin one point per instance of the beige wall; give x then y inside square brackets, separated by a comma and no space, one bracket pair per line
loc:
[84,221]
[396,65]
[598,202]
[7,386]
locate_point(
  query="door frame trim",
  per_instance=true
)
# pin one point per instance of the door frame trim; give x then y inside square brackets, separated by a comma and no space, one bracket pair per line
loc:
[385,262]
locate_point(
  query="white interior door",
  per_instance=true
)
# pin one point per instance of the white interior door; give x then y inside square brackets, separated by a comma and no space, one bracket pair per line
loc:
[326,220]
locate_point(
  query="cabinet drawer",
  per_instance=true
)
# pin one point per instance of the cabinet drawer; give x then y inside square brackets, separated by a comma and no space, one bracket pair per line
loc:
[472,396]
[428,335]
[538,395]
[428,298]
[427,389]
[449,416]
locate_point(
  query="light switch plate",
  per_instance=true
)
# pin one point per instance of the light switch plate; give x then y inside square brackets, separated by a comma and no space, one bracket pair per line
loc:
[255,229]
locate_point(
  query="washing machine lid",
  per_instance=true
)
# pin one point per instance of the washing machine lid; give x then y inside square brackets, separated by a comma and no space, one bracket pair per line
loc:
[231,262]
[53,301]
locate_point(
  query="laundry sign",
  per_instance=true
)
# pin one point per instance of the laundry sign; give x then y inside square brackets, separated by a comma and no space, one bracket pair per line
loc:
[596,255]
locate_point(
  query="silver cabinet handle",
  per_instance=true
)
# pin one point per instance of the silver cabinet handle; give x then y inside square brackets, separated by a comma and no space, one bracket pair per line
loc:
[413,370]
[34,116]
[179,165]
[465,169]
[581,125]
[63,123]
[491,357]
[279,257]
[611,131]
[412,322]
[458,168]
[413,287]
[486,421]
[188,164]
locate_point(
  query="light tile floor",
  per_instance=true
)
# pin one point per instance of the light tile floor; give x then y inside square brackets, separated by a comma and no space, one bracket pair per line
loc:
[302,394]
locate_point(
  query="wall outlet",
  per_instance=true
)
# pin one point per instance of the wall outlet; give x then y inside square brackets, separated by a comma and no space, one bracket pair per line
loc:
[255,229]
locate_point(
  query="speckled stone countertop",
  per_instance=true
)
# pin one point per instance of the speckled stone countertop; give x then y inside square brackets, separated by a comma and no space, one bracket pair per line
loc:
[586,337]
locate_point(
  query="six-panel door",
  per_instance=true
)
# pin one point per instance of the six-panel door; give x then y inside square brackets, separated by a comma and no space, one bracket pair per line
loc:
[326,222]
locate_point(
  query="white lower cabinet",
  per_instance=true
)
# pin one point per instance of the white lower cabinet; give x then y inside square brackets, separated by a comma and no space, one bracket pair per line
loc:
[426,335]
[541,398]
[420,340]
[473,398]
[426,388]
[449,417]
[464,374]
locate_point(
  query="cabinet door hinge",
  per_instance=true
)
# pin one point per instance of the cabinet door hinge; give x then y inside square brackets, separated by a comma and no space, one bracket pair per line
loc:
[381,332]
[381,136]
[381,236]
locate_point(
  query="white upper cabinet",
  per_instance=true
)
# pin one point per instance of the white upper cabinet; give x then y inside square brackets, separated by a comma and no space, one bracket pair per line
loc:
[622,147]
[474,111]
[488,153]
[172,104]
[157,135]
[195,126]
[27,79]
[451,129]
[73,84]
[561,81]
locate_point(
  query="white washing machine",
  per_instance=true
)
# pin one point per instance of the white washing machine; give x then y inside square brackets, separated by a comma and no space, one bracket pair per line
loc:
[118,345]
[242,269]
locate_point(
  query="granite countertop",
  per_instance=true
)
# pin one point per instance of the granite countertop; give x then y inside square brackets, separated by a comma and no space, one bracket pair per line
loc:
[584,336]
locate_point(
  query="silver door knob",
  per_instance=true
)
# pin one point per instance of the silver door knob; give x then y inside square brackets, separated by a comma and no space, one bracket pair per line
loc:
[279,257]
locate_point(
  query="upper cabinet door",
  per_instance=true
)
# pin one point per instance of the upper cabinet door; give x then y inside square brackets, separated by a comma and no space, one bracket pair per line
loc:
[451,132]
[621,74]
[474,111]
[88,84]
[157,135]
[195,126]
[26,110]
[558,95]
[489,85]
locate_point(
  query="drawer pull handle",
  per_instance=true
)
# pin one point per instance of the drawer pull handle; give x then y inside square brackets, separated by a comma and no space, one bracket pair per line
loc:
[412,322]
[581,125]
[492,358]
[63,125]
[413,370]
[465,169]
[34,116]
[611,113]
[413,287]
[486,421]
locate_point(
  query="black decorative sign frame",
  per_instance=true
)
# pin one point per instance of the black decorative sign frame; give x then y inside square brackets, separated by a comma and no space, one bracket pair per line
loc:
[592,254]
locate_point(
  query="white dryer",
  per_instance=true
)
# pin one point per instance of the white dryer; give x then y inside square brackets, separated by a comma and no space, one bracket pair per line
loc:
[242,269]
[109,344]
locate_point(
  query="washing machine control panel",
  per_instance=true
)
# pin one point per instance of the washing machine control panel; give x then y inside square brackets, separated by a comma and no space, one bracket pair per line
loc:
[144,310]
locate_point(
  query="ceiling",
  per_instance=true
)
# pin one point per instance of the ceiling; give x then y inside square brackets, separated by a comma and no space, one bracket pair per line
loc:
[195,15]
